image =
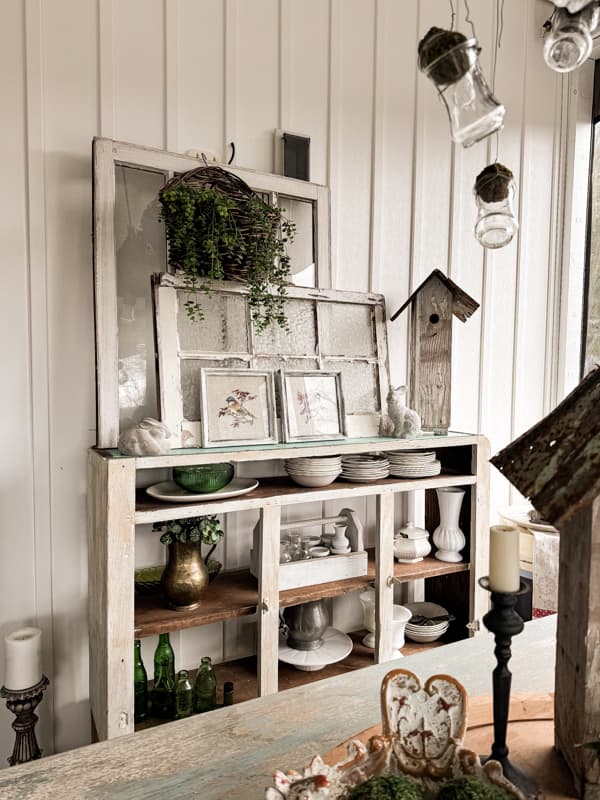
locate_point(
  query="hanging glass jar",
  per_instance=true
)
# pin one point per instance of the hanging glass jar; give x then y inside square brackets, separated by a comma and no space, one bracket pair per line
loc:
[450,60]
[494,192]
[569,41]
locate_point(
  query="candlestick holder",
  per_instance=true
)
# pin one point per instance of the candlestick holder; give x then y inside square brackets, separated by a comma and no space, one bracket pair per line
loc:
[504,622]
[22,703]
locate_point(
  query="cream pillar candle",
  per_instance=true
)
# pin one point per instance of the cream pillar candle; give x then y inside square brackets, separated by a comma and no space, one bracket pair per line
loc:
[23,658]
[504,559]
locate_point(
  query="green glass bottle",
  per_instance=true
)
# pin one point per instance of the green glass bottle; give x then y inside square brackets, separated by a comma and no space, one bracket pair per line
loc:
[205,687]
[163,693]
[228,693]
[140,684]
[183,695]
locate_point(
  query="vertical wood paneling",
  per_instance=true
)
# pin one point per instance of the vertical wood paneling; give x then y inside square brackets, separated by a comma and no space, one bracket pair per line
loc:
[466,256]
[433,164]
[305,77]
[201,77]
[500,266]
[393,166]
[353,32]
[139,71]
[70,120]
[21,598]
[255,40]
[540,114]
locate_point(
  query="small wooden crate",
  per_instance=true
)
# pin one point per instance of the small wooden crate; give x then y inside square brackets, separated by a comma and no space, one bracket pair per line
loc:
[296,574]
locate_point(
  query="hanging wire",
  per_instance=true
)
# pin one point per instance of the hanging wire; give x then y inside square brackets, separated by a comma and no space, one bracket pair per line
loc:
[499,11]
[468,17]
[453,15]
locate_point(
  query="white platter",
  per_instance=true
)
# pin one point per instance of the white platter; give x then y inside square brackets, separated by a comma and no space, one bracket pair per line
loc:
[170,492]
[336,646]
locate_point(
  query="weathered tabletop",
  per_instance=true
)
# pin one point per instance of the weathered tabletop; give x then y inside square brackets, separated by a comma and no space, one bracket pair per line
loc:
[231,753]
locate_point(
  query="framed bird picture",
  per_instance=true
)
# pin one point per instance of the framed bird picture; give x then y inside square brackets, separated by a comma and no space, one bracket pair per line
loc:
[312,406]
[238,407]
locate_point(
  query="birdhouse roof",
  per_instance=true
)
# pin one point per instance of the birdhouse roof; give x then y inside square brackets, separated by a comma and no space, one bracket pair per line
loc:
[462,306]
[556,464]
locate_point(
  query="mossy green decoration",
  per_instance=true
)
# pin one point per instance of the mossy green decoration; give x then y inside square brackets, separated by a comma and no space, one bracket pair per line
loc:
[206,530]
[392,787]
[213,236]
[471,788]
[492,184]
[436,43]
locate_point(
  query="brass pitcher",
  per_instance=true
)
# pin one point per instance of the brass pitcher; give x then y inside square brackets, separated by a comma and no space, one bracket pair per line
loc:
[185,576]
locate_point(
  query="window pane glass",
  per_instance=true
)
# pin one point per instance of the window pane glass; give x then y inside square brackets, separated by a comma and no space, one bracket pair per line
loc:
[347,330]
[140,251]
[302,250]
[223,329]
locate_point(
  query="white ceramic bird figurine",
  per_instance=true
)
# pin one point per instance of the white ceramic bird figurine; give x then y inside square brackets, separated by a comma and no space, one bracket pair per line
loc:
[148,438]
[407,423]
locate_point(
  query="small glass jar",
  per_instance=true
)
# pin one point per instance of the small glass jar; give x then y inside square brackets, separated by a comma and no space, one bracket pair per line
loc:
[494,191]
[295,546]
[284,552]
[569,42]
[473,111]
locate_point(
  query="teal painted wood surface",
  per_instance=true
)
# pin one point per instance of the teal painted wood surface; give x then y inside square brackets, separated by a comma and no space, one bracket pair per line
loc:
[232,753]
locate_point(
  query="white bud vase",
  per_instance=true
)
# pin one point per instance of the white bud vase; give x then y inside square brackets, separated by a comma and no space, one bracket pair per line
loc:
[448,537]
[367,600]
[401,615]
[339,543]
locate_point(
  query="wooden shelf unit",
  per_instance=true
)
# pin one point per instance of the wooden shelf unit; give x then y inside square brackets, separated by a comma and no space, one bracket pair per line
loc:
[115,508]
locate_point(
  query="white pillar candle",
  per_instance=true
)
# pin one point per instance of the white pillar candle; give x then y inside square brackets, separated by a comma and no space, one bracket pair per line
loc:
[504,559]
[23,658]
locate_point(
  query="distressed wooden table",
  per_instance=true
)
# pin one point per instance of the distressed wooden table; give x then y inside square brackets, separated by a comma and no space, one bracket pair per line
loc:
[231,753]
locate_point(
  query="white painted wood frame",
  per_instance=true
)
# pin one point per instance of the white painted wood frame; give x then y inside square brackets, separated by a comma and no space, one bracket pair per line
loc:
[107,155]
[171,355]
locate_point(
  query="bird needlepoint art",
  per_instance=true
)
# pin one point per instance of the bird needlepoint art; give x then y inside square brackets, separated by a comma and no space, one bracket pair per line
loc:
[236,408]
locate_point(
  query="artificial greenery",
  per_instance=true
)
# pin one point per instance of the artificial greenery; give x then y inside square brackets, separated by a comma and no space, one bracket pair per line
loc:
[206,530]
[208,243]
[471,788]
[493,183]
[436,43]
[390,787]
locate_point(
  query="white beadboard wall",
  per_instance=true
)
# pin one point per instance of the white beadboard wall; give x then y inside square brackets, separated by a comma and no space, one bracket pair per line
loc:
[186,73]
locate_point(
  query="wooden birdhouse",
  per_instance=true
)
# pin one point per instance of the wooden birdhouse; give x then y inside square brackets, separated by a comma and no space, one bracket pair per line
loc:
[556,464]
[430,363]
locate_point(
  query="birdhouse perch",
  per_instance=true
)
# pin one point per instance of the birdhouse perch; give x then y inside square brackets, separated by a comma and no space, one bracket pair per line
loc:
[432,306]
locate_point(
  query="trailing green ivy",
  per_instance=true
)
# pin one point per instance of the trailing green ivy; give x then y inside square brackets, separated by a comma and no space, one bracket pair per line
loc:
[208,243]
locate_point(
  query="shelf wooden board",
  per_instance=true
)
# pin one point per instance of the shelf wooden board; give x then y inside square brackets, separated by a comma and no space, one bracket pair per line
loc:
[243,672]
[197,455]
[282,492]
[235,594]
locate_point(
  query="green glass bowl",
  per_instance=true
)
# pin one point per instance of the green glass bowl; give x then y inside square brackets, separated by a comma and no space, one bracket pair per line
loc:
[203,477]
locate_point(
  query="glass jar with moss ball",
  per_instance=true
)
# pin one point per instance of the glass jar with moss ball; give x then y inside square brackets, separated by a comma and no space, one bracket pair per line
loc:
[494,192]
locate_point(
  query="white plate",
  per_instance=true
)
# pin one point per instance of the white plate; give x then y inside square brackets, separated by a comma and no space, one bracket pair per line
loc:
[336,646]
[520,516]
[171,493]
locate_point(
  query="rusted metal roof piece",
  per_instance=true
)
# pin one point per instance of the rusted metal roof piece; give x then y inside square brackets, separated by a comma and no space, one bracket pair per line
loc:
[556,464]
[463,305]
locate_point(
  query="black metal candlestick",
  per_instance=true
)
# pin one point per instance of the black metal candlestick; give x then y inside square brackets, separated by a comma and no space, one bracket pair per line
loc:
[504,622]
[22,703]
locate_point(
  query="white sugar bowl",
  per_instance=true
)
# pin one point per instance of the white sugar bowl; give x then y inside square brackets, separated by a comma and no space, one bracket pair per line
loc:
[411,544]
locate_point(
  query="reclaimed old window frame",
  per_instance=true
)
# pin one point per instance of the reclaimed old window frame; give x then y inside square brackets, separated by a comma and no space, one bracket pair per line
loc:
[172,353]
[108,155]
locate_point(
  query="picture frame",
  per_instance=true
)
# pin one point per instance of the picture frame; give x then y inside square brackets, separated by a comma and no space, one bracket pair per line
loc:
[312,405]
[238,407]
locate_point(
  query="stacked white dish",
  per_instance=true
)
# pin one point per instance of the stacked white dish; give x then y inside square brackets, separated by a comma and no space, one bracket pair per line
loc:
[413,464]
[314,471]
[426,632]
[364,468]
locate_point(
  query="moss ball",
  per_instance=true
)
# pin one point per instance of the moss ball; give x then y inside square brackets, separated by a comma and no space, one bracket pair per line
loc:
[391,787]
[436,43]
[493,183]
[471,788]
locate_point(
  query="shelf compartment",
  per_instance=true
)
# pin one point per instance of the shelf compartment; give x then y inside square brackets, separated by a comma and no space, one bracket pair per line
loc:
[235,594]
[282,492]
[243,672]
